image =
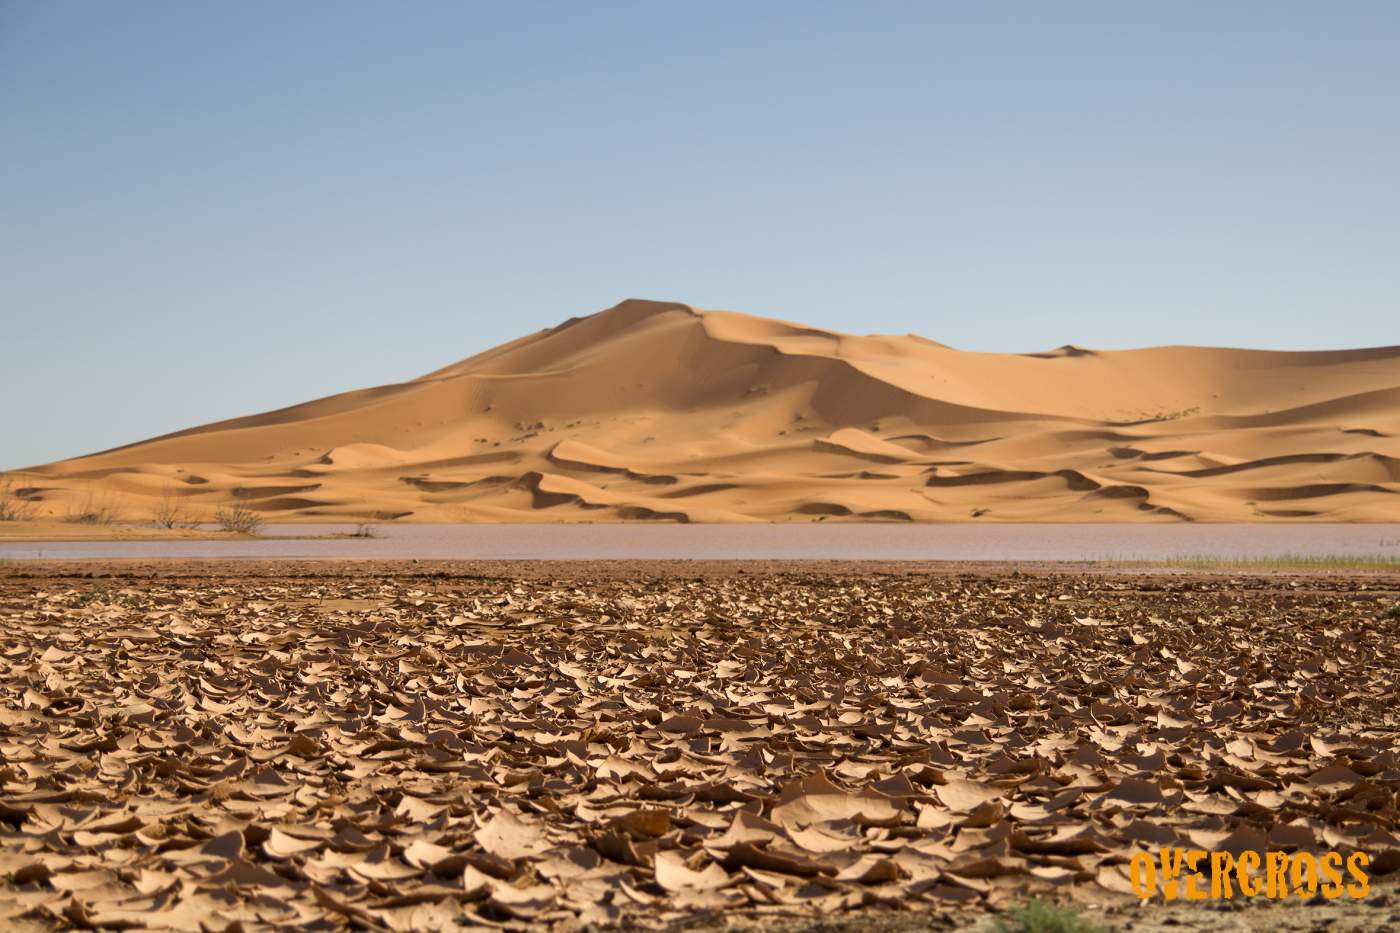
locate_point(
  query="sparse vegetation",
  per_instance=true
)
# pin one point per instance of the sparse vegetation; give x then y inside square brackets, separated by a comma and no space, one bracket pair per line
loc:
[168,512]
[239,518]
[93,511]
[102,595]
[1278,562]
[1044,917]
[13,506]
[1393,612]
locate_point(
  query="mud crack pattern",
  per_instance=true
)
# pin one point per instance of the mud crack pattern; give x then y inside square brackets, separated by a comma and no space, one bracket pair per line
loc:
[409,752]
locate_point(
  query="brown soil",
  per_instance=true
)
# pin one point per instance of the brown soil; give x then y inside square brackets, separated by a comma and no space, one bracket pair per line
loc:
[411,746]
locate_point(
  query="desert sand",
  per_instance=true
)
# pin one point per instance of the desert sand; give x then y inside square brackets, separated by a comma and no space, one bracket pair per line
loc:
[657,410]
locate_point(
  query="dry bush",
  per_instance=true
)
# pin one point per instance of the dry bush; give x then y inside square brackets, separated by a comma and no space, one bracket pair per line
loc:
[168,512]
[238,519]
[13,506]
[94,511]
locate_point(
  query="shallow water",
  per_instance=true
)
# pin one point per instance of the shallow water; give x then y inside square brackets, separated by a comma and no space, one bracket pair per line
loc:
[1012,542]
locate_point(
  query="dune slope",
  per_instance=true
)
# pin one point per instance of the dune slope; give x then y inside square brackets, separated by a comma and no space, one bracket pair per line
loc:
[658,411]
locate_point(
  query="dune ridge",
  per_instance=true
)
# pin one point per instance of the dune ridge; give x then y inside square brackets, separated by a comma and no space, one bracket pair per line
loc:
[659,411]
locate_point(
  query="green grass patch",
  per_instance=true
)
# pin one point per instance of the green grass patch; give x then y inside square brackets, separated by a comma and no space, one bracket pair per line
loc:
[1045,917]
[1278,562]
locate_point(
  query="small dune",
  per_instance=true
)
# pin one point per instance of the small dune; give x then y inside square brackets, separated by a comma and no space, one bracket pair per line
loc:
[358,456]
[579,455]
[822,508]
[431,485]
[857,443]
[287,504]
[268,492]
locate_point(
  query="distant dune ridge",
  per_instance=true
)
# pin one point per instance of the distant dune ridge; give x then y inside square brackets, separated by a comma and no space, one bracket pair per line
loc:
[656,410]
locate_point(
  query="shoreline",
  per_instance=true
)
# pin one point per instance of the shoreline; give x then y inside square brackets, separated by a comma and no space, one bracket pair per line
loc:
[652,569]
[1273,546]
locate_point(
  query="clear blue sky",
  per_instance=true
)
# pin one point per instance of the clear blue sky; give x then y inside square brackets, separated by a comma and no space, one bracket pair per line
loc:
[211,209]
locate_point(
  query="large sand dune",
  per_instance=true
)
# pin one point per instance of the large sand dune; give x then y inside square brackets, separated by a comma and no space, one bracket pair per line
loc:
[655,410]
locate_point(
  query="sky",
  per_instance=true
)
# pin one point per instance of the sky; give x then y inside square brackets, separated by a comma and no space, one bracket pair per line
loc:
[213,209]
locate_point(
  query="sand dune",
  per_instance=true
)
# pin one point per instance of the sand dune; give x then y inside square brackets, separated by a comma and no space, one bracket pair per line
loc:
[658,411]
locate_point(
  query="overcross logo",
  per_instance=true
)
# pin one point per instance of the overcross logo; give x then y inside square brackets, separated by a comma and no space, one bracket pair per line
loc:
[1197,875]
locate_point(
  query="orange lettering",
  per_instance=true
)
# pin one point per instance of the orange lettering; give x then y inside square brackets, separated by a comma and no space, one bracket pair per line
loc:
[1143,873]
[1304,874]
[1356,867]
[1221,864]
[1171,870]
[1331,866]
[1276,875]
[1247,864]
[1194,880]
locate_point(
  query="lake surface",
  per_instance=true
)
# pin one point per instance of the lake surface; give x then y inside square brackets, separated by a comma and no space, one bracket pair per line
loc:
[993,542]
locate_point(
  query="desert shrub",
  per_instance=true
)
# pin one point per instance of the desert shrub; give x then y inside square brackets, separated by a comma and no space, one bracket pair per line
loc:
[168,512]
[13,506]
[1393,612]
[95,510]
[1044,917]
[238,519]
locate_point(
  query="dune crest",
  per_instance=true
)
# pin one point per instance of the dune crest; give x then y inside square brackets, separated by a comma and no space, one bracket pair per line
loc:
[660,411]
